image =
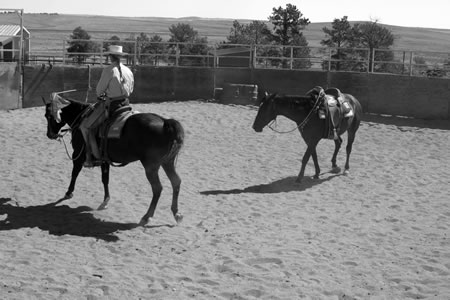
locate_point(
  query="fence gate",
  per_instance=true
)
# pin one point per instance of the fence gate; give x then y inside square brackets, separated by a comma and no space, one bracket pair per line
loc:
[9,86]
[11,71]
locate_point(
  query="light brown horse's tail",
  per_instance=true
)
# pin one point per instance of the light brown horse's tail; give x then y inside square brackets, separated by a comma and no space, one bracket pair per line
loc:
[175,133]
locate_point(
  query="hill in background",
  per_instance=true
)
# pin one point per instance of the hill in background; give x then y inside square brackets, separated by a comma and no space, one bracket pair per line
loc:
[46,27]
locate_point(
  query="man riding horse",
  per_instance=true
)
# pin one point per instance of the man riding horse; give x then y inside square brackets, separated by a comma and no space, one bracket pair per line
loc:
[113,89]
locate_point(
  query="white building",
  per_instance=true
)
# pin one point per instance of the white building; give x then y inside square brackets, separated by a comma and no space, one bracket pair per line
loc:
[10,43]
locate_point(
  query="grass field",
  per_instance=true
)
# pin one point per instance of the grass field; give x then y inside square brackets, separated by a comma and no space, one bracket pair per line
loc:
[47,28]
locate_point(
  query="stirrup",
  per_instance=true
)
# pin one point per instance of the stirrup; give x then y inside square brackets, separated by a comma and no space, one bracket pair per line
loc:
[92,164]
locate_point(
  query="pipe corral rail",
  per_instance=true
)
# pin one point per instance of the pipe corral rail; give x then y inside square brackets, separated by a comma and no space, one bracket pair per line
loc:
[172,54]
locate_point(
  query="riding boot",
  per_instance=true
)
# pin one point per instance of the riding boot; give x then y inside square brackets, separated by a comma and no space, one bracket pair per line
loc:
[92,153]
[88,163]
[94,147]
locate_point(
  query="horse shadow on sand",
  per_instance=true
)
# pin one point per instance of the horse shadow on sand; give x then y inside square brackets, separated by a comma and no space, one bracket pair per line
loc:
[59,220]
[283,185]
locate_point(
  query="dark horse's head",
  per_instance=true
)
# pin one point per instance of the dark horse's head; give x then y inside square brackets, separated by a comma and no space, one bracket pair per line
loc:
[54,123]
[266,112]
[55,114]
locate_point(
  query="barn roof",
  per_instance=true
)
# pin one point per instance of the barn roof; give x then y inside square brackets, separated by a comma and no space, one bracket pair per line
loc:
[7,31]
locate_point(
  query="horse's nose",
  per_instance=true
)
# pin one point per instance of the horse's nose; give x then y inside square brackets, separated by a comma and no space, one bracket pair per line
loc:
[257,129]
[52,136]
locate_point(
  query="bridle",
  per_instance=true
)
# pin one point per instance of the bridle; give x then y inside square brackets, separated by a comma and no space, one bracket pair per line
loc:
[74,125]
[304,122]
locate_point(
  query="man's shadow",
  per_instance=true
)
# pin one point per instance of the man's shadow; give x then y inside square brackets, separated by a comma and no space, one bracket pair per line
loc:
[287,184]
[59,220]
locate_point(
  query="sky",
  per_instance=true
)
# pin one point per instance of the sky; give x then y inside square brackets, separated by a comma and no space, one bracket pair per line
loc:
[408,13]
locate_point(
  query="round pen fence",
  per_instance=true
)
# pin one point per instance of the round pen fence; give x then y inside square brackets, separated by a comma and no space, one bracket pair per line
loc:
[171,54]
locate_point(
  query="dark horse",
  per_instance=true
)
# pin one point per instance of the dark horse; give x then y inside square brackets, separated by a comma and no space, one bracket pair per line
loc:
[303,111]
[149,138]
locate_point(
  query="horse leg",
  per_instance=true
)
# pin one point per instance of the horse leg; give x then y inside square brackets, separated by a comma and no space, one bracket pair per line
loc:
[151,171]
[316,163]
[77,166]
[105,181]
[337,146]
[175,180]
[351,138]
[306,156]
[351,133]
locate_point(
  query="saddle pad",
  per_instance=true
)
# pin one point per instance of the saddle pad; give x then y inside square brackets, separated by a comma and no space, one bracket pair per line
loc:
[115,129]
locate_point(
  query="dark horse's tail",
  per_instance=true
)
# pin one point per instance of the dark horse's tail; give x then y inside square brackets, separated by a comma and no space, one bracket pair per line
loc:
[175,133]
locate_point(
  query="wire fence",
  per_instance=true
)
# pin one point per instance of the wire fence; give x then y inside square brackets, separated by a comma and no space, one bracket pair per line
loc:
[171,54]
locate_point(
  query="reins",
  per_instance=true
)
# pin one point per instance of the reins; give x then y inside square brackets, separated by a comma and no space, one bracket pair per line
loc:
[75,124]
[303,123]
[61,137]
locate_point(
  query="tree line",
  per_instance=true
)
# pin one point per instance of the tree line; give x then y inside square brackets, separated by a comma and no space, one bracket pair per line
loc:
[346,39]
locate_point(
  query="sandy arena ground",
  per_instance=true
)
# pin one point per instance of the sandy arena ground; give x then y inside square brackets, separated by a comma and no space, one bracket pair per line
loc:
[249,232]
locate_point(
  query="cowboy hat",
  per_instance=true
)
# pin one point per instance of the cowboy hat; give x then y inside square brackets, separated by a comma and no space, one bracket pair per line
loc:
[115,50]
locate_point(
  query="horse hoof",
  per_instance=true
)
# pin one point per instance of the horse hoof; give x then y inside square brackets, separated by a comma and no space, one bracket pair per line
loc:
[316,177]
[102,206]
[67,196]
[144,221]
[336,170]
[178,218]
[346,172]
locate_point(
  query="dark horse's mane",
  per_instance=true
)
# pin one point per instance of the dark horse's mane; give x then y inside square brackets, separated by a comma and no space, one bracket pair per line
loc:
[72,111]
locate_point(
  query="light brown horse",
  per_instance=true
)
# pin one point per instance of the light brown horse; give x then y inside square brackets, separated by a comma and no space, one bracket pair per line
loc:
[303,111]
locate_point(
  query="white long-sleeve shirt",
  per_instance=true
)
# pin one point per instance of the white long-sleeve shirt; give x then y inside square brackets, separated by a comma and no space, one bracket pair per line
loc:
[113,85]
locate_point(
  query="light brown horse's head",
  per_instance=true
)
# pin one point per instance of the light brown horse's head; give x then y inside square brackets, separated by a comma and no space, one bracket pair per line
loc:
[266,112]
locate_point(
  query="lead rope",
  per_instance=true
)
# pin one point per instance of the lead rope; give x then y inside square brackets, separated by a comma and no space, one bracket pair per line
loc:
[274,121]
[303,123]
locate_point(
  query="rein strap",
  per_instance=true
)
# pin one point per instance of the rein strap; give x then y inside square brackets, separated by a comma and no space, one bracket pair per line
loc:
[303,123]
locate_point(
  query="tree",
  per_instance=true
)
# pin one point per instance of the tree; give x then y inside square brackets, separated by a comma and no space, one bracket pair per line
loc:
[237,33]
[80,43]
[339,36]
[156,48]
[254,33]
[288,24]
[187,43]
[371,35]
[182,33]
[141,42]
[114,40]
[350,39]
[129,43]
